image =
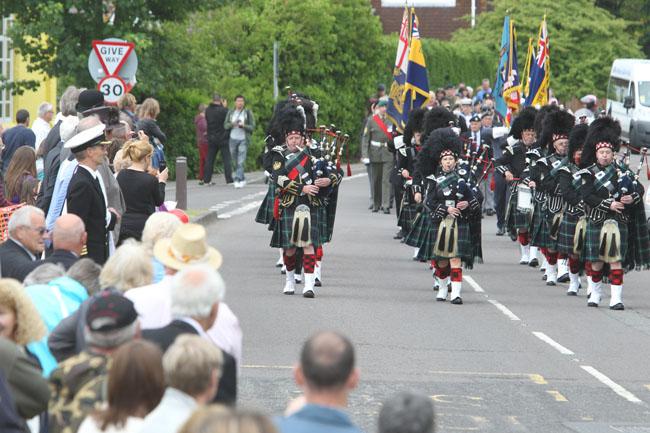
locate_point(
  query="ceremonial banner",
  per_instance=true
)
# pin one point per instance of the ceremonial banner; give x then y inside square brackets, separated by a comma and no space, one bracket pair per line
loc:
[530,58]
[507,85]
[540,70]
[416,89]
[395,97]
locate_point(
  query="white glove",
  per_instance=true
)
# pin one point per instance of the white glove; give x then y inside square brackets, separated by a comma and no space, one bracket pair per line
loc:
[366,161]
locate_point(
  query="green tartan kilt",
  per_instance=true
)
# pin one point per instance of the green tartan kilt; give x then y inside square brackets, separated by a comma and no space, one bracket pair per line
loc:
[415,235]
[516,219]
[283,227]
[407,216]
[539,235]
[591,251]
[566,233]
[424,234]
[265,212]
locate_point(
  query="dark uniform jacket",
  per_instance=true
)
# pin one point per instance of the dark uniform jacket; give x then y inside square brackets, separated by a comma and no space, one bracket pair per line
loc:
[86,200]
[215,116]
[15,261]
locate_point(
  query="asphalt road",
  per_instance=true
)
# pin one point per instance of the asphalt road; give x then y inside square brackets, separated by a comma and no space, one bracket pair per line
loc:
[518,356]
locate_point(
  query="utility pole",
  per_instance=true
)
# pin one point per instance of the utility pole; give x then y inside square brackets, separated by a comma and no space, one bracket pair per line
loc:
[276,46]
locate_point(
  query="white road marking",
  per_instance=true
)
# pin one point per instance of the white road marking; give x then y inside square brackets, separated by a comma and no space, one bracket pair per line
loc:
[224,204]
[240,210]
[355,176]
[503,309]
[618,389]
[474,284]
[557,346]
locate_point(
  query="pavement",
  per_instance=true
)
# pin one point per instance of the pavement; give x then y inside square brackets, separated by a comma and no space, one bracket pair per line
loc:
[518,356]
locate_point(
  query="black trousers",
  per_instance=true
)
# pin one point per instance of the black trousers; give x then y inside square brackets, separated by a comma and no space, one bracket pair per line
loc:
[214,146]
[500,198]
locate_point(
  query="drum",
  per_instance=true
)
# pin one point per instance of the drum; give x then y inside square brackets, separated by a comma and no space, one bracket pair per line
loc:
[524,199]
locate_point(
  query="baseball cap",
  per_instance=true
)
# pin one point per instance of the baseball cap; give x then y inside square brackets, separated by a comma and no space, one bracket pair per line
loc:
[110,312]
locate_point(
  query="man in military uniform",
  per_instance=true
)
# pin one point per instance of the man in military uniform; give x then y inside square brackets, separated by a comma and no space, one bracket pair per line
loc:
[78,384]
[374,149]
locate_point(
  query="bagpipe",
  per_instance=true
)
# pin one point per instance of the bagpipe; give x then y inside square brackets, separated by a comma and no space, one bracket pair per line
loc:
[628,181]
[330,143]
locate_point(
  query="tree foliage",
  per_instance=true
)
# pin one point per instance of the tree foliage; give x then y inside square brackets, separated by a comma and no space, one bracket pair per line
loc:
[584,40]
[637,13]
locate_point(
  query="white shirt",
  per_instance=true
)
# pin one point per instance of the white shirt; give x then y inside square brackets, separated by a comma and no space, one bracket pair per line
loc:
[170,414]
[154,306]
[40,128]
[132,425]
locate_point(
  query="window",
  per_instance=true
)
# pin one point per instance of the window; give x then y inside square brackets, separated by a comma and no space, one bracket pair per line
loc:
[644,93]
[618,89]
[6,71]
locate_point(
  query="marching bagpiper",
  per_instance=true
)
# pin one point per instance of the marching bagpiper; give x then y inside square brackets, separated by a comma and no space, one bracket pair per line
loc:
[442,230]
[570,239]
[512,165]
[301,218]
[544,181]
[617,233]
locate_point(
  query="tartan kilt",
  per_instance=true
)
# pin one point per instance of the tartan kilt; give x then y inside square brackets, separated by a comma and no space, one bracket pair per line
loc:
[591,251]
[265,212]
[415,235]
[283,227]
[406,216]
[465,250]
[566,233]
[539,228]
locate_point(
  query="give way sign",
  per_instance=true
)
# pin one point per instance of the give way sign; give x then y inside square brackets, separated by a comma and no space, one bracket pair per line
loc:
[112,55]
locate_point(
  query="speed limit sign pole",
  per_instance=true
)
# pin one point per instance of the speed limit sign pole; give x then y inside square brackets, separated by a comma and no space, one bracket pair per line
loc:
[112,88]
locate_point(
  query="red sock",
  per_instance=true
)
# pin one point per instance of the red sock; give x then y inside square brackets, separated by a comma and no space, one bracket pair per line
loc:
[308,262]
[438,272]
[456,275]
[616,277]
[574,265]
[289,261]
[588,270]
[523,238]
[551,257]
[319,253]
[562,256]
[596,276]
[444,272]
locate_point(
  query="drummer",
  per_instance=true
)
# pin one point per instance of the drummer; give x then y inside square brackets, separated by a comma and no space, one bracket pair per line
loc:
[511,165]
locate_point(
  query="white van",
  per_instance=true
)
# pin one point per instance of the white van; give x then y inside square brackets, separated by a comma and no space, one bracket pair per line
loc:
[628,99]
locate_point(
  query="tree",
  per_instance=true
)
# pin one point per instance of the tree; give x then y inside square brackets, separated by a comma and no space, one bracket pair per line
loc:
[637,13]
[584,40]
[55,36]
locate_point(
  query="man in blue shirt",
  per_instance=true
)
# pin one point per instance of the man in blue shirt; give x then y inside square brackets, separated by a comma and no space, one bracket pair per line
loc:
[326,375]
[13,138]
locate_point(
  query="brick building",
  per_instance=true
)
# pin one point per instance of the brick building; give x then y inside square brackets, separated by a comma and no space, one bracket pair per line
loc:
[438,18]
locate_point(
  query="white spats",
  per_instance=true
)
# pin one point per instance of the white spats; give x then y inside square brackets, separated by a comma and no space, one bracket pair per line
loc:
[574,283]
[290,284]
[525,254]
[617,295]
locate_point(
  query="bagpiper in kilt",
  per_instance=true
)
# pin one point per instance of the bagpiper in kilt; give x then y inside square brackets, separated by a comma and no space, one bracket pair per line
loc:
[614,208]
[443,233]
[549,210]
[512,165]
[301,220]
[569,243]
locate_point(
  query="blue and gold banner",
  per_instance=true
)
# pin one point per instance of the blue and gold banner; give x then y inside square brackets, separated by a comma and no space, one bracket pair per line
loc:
[416,88]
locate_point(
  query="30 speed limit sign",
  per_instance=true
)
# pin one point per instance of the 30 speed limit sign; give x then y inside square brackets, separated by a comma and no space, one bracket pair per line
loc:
[112,88]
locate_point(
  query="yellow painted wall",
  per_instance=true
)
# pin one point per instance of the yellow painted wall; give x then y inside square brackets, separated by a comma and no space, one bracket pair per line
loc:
[31,100]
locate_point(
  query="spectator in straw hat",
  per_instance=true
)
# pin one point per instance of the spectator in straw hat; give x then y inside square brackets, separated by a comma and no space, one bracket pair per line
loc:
[187,246]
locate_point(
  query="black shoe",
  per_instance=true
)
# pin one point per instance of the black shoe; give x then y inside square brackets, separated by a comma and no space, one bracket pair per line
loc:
[617,307]
[370,207]
[201,182]
[375,210]
[563,279]
[387,211]
[317,283]
[490,212]
[533,263]
[501,231]
[592,304]
[441,299]
[283,272]
[435,288]
[457,301]
[308,294]
[544,277]
[572,293]
[550,283]
[398,235]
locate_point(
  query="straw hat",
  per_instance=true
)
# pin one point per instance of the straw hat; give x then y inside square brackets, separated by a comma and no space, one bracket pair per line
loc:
[187,246]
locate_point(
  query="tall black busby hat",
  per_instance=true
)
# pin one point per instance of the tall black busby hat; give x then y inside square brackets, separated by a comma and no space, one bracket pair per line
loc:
[525,120]
[438,117]
[556,125]
[541,114]
[291,120]
[603,132]
[577,139]
[444,141]
[414,124]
